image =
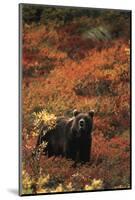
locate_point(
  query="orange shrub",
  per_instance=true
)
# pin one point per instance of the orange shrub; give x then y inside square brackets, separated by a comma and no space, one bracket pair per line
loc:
[63,71]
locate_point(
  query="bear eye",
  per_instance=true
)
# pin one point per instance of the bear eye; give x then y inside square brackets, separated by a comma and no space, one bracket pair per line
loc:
[87,119]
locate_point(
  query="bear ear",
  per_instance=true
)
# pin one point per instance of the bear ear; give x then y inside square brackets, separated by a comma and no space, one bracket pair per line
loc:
[75,112]
[91,113]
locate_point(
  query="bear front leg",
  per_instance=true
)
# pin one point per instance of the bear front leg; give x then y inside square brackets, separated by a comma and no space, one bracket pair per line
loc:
[70,151]
[85,153]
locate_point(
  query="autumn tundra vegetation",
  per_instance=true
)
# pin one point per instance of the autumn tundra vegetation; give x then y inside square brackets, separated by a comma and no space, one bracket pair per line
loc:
[75,58]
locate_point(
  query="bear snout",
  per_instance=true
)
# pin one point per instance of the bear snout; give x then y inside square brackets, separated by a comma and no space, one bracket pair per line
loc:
[81,124]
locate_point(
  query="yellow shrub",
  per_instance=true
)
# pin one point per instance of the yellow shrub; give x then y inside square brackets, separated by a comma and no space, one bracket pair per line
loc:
[95,185]
[43,118]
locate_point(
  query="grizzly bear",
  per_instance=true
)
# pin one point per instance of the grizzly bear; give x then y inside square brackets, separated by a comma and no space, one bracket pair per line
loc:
[71,137]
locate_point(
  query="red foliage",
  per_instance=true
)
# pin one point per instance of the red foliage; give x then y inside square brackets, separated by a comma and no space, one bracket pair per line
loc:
[63,71]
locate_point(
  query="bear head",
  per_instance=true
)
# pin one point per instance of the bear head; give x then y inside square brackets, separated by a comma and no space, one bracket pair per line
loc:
[82,123]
